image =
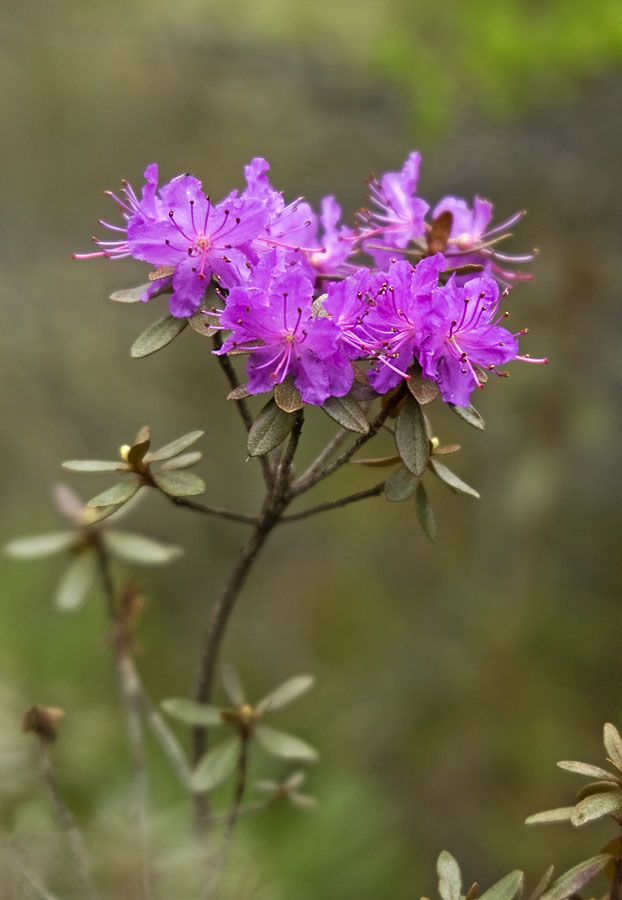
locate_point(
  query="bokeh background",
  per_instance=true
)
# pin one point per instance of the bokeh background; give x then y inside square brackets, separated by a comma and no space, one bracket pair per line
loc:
[449,677]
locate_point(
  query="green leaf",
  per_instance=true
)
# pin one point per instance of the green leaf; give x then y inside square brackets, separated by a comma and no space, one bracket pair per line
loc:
[561,814]
[580,768]
[411,437]
[449,877]
[269,429]
[613,744]
[76,581]
[423,390]
[157,336]
[179,484]
[131,295]
[175,447]
[285,746]
[95,465]
[136,548]
[347,413]
[469,415]
[425,513]
[574,879]
[184,461]
[400,485]
[139,448]
[452,481]
[205,324]
[232,685]
[216,766]
[287,396]
[379,462]
[302,801]
[507,888]
[596,806]
[118,494]
[597,787]
[543,884]
[39,545]
[192,713]
[283,694]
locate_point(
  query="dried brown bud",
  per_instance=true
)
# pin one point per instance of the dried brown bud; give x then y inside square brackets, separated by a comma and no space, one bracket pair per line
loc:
[42,720]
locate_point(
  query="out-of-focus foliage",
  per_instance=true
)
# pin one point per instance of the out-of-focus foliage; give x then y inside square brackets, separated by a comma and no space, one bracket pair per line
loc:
[447,675]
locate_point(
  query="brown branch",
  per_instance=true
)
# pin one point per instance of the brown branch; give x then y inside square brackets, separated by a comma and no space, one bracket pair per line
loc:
[335,504]
[213,510]
[307,481]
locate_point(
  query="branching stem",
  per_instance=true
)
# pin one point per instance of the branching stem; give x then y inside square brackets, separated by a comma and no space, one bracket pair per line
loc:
[335,504]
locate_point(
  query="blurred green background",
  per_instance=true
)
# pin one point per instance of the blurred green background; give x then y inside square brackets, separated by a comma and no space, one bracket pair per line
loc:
[449,677]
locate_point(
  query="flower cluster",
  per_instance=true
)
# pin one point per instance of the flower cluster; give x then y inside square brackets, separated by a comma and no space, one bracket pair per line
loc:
[304,296]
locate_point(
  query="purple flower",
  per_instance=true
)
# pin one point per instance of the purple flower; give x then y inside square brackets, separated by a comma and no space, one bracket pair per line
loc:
[399,217]
[199,239]
[337,242]
[272,318]
[148,209]
[404,312]
[467,335]
[472,241]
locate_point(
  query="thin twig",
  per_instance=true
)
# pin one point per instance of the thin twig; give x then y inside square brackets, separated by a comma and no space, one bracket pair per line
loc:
[213,510]
[335,442]
[130,693]
[284,470]
[335,504]
[245,414]
[163,734]
[308,481]
[67,822]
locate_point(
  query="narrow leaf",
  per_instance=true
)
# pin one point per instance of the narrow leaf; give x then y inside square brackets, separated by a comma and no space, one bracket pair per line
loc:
[216,766]
[205,324]
[192,713]
[613,744]
[269,429]
[302,801]
[40,545]
[574,879]
[179,484]
[543,884]
[233,685]
[596,806]
[423,390]
[400,485]
[562,814]
[139,448]
[118,494]
[449,877]
[287,396]
[469,415]
[379,462]
[184,461]
[411,438]
[285,746]
[157,336]
[347,413]
[76,581]
[241,392]
[425,513]
[95,465]
[68,503]
[131,295]
[597,787]
[581,768]
[285,693]
[507,888]
[175,447]
[136,548]
[452,481]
